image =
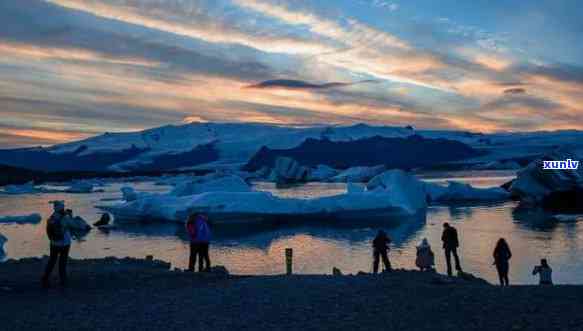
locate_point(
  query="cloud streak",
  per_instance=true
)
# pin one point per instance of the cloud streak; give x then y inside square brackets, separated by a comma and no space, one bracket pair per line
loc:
[302,85]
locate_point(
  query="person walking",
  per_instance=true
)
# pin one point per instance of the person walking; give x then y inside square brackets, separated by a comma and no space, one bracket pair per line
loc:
[199,232]
[450,241]
[425,259]
[380,246]
[59,232]
[545,273]
[502,257]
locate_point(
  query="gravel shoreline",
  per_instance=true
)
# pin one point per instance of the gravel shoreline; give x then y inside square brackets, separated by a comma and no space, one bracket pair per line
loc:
[129,294]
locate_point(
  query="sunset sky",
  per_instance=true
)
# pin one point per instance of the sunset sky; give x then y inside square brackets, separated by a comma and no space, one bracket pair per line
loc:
[70,69]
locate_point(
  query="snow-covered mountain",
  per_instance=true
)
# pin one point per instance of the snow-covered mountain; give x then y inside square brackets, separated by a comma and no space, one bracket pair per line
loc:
[215,145]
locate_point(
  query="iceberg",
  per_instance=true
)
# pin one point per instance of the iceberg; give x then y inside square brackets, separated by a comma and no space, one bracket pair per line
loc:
[229,183]
[2,241]
[25,219]
[453,192]
[406,190]
[566,218]
[534,184]
[80,187]
[20,189]
[358,174]
[128,193]
[79,225]
[322,173]
[461,192]
[403,196]
[288,171]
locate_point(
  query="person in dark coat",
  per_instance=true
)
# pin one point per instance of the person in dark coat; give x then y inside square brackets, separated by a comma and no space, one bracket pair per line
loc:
[450,241]
[502,257]
[380,246]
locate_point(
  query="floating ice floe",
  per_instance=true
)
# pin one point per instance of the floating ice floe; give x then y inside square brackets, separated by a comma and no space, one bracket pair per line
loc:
[80,187]
[32,218]
[534,184]
[130,194]
[2,241]
[358,174]
[404,196]
[460,192]
[228,183]
[80,225]
[20,189]
[453,192]
[566,218]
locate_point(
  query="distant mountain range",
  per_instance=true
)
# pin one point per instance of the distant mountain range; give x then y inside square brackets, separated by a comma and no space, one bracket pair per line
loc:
[404,153]
[234,145]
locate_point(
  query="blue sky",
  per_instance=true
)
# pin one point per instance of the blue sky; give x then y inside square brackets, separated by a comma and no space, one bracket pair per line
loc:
[75,68]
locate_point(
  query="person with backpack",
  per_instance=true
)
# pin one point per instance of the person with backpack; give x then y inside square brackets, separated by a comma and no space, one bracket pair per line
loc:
[59,233]
[502,257]
[380,247]
[450,240]
[199,233]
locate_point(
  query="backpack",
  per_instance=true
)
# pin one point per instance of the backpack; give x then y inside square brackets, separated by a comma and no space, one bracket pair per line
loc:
[203,233]
[55,229]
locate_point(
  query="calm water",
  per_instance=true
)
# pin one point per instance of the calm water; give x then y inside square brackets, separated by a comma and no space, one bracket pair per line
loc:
[319,247]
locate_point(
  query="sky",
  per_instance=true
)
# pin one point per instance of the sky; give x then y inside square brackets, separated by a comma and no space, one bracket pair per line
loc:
[70,69]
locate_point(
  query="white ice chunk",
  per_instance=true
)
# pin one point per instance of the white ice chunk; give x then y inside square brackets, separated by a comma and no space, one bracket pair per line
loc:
[456,191]
[20,189]
[223,184]
[32,219]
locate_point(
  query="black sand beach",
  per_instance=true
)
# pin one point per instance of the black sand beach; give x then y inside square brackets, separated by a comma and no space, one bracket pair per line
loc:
[130,294]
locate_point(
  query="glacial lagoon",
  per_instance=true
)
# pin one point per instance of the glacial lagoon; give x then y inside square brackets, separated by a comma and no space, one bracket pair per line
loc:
[318,247]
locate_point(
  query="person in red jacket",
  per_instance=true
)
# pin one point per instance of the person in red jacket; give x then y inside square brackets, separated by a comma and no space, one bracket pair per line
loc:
[199,232]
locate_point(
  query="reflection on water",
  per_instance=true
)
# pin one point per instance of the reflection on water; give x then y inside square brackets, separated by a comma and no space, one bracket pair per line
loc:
[319,246]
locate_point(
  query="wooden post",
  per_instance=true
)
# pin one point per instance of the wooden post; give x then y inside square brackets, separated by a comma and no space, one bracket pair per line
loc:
[289,260]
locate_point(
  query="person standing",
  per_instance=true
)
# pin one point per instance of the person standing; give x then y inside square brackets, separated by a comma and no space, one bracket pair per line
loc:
[59,232]
[450,241]
[425,258]
[199,232]
[545,273]
[502,257]
[380,246]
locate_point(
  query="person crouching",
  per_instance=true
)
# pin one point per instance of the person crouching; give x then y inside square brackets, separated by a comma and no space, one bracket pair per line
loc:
[425,259]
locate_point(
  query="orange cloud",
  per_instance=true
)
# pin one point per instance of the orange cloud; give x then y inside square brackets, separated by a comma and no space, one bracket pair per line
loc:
[52,53]
[54,136]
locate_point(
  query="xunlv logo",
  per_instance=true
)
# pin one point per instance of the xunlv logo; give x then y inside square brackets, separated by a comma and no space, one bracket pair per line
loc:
[566,164]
